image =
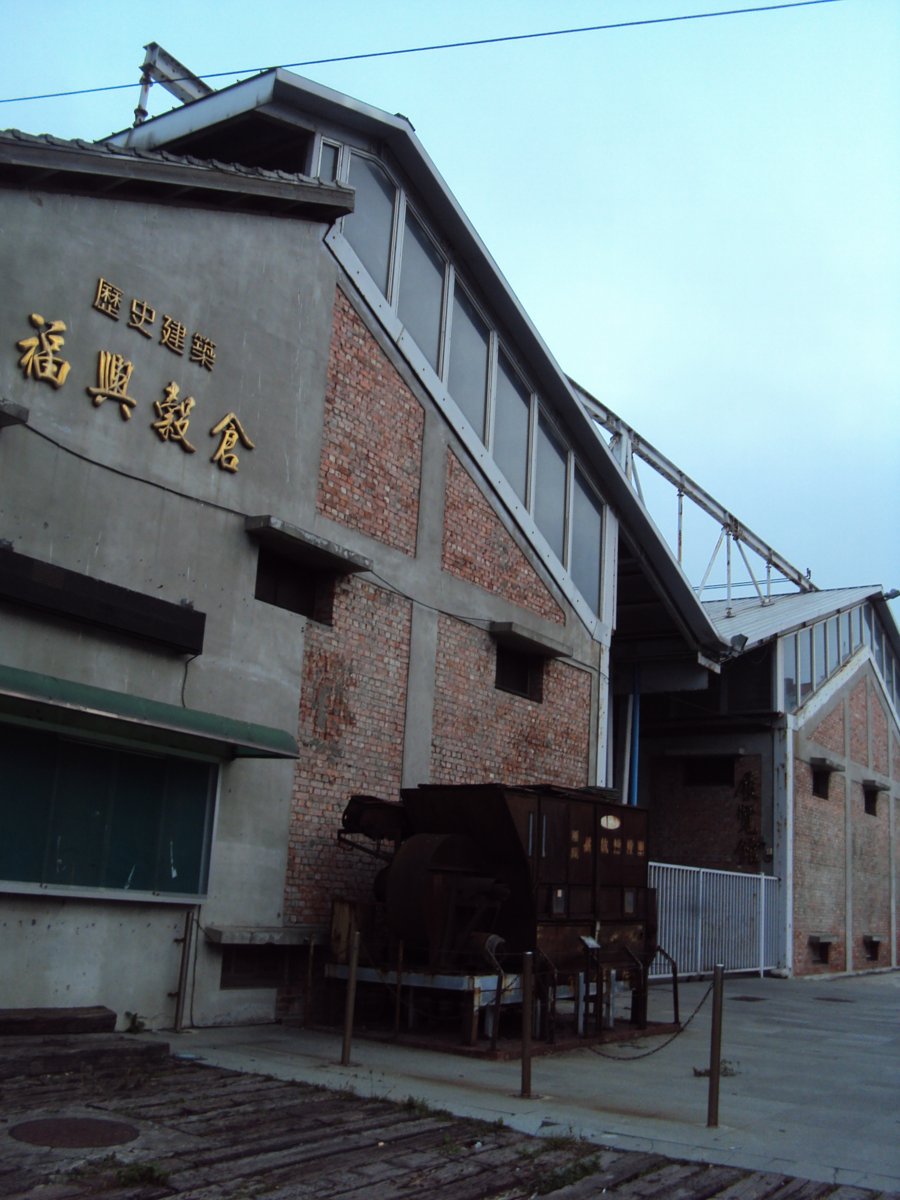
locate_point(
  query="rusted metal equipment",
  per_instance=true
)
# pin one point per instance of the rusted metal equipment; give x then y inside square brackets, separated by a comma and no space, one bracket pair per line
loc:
[478,875]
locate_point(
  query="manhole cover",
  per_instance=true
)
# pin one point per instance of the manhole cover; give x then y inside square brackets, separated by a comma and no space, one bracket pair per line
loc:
[74,1132]
[835,1000]
[750,999]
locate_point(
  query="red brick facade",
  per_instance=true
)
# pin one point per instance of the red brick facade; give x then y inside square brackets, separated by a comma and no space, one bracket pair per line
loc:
[870,834]
[859,723]
[831,873]
[352,717]
[481,733]
[829,733]
[820,872]
[878,716]
[477,548]
[352,721]
[370,470]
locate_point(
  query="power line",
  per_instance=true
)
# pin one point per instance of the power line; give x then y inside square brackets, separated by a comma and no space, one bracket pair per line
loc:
[512,37]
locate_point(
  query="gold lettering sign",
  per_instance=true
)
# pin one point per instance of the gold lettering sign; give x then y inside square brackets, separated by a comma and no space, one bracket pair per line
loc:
[173,417]
[113,377]
[40,360]
[108,298]
[231,432]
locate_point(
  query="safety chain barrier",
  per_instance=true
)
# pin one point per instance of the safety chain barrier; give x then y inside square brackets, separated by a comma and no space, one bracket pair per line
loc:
[656,1049]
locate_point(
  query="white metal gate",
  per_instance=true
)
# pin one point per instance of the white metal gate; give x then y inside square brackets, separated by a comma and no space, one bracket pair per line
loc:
[709,917]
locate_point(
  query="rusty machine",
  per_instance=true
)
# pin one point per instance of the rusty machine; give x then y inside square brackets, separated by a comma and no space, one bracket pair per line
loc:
[475,876]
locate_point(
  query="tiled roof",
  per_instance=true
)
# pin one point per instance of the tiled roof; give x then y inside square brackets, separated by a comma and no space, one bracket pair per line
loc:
[24,153]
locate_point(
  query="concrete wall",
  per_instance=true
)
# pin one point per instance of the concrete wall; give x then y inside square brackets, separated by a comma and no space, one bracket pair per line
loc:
[88,490]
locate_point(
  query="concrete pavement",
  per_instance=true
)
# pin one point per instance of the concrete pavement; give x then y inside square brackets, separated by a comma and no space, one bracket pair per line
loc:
[815,1088]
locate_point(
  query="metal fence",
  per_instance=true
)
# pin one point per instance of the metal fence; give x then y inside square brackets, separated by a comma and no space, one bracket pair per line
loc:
[709,917]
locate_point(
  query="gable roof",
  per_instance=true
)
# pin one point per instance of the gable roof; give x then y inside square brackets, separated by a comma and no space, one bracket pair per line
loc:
[251,107]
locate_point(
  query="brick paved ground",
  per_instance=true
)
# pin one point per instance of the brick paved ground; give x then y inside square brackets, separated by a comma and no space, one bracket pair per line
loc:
[208,1133]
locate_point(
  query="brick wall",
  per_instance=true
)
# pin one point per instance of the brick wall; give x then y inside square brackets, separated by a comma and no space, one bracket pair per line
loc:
[858,733]
[370,469]
[820,875]
[859,723]
[480,733]
[477,547]
[352,717]
[871,871]
[878,717]
[829,733]
[715,826]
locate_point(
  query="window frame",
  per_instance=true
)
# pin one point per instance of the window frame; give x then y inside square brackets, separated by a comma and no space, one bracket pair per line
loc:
[124,747]
[507,658]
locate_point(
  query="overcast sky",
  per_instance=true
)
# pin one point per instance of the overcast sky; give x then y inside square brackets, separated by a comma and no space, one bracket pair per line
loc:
[702,218]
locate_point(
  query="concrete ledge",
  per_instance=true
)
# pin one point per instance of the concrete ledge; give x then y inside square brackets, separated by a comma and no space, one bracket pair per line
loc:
[27,1022]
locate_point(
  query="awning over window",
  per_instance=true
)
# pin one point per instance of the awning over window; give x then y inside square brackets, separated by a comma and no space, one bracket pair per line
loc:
[65,704]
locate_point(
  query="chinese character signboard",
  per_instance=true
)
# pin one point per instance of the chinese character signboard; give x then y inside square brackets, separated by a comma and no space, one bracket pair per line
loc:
[127,386]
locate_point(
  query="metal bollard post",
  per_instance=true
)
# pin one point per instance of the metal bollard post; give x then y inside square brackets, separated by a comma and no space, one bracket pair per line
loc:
[310,964]
[715,1048]
[398,995]
[351,1000]
[527,1018]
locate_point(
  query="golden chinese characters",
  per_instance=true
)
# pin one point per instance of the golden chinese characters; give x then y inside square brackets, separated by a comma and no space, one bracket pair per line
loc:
[40,360]
[174,417]
[231,432]
[113,377]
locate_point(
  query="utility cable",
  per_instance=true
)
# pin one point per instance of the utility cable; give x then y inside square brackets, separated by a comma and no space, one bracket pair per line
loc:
[511,37]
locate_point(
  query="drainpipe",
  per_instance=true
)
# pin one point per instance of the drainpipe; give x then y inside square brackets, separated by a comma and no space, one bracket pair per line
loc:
[626,753]
[187,941]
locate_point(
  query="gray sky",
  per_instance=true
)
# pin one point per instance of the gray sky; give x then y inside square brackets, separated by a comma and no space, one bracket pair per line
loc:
[702,218]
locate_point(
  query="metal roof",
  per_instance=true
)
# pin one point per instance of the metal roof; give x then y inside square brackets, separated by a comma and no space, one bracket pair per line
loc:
[758,622]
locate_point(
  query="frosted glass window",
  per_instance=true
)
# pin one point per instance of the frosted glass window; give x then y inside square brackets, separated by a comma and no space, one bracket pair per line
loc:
[421,289]
[856,623]
[821,669]
[467,379]
[587,531]
[550,488]
[868,627]
[831,637]
[878,644]
[368,229]
[804,653]
[846,636]
[789,668]
[328,162]
[510,445]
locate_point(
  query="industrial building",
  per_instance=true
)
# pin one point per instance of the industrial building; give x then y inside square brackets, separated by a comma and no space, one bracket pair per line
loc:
[299,506]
